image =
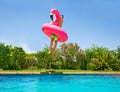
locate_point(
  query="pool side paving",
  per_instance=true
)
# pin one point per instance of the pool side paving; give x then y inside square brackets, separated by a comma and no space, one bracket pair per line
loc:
[59,72]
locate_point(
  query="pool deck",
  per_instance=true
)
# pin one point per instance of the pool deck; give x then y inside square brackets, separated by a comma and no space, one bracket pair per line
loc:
[60,72]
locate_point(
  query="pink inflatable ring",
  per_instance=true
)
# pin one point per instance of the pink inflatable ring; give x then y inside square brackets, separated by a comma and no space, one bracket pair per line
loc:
[53,28]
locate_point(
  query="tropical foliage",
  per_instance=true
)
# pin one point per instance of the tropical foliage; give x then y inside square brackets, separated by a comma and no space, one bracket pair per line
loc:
[68,56]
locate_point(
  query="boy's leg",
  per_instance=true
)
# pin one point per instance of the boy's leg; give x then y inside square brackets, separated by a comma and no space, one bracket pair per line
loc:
[51,43]
[55,45]
[55,42]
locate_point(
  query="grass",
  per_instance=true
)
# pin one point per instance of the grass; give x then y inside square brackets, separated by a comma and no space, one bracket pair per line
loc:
[41,70]
[57,71]
[47,70]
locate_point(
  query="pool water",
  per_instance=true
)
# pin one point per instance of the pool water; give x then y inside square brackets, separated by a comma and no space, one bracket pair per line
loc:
[60,83]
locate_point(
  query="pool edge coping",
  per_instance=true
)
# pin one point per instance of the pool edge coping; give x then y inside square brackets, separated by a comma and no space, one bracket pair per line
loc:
[59,72]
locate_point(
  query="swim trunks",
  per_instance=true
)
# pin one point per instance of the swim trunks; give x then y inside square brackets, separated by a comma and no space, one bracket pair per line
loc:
[55,37]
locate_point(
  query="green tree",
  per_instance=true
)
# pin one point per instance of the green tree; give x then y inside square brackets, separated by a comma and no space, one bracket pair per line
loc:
[44,59]
[31,61]
[18,58]
[100,58]
[114,60]
[72,55]
[3,56]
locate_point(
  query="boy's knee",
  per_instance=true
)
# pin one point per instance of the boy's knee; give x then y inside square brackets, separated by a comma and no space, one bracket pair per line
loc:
[52,39]
[56,41]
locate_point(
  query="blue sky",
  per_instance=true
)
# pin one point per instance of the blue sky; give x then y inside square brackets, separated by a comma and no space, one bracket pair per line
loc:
[86,22]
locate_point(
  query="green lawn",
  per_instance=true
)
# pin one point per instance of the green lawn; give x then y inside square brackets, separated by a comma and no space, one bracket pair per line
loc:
[53,70]
[42,70]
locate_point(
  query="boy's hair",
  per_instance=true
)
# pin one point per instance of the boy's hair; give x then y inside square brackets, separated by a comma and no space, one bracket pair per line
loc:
[62,16]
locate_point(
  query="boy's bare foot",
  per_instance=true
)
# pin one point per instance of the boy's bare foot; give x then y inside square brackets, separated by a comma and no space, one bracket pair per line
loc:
[49,52]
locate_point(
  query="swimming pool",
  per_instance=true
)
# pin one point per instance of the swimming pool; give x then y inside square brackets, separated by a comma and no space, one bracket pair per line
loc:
[60,83]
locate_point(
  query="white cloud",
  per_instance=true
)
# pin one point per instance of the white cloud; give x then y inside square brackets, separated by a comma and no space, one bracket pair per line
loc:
[26,48]
[6,42]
